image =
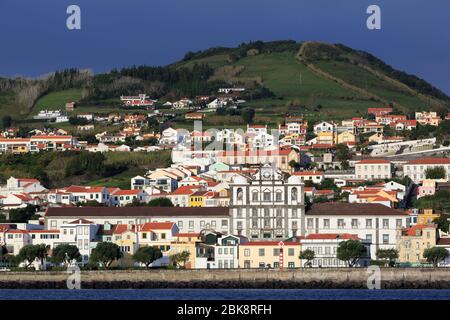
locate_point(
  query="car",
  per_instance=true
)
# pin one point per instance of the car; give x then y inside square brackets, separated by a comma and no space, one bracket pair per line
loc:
[4,269]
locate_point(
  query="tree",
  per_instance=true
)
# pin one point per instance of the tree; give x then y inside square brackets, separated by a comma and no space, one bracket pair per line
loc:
[6,122]
[388,255]
[147,255]
[440,201]
[106,253]
[3,253]
[343,152]
[153,124]
[248,114]
[351,251]
[180,259]
[90,203]
[442,223]
[160,202]
[30,253]
[435,255]
[435,173]
[23,214]
[307,255]
[294,165]
[65,253]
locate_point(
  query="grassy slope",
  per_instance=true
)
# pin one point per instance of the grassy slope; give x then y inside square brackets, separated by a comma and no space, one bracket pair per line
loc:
[57,100]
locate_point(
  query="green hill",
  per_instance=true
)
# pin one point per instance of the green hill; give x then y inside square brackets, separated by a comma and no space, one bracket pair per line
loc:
[310,78]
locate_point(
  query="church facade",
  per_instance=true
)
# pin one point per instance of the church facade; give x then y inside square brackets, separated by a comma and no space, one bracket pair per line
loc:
[267,206]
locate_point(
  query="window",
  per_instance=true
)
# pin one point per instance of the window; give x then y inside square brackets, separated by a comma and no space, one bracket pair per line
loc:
[354,223]
[254,223]
[294,213]
[163,235]
[291,252]
[191,224]
[310,223]
[279,223]
[326,223]
[266,195]
[369,223]
[369,237]
[276,265]
[261,252]
[255,195]
[246,252]
[398,223]
[385,239]
[144,235]
[294,194]
[180,224]
[291,265]
[224,223]
[340,223]
[385,223]
[278,196]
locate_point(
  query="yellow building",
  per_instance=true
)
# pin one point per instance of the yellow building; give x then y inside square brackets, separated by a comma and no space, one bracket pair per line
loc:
[413,241]
[186,242]
[198,198]
[158,234]
[345,137]
[264,254]
[126,238]
[325,138]
[427,216]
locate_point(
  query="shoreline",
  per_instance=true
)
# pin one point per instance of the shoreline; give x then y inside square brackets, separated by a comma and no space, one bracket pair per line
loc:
[391,278]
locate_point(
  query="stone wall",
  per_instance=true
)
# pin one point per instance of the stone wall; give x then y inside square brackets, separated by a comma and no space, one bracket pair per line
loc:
[236,278]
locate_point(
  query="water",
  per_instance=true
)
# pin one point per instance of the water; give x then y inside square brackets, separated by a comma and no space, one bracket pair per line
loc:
[225,294]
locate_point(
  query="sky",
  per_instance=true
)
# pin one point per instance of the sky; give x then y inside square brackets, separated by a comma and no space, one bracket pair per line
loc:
[34,38]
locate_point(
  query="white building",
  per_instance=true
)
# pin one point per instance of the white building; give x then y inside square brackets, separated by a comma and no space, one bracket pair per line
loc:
[373,222]
[266,206]
[324,246]
[323,126]
[373,169]
[415,169]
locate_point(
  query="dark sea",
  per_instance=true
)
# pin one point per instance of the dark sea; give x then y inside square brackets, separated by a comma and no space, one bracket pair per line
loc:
[225,294]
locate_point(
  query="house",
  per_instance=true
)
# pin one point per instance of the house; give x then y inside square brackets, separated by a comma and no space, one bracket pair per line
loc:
[269,254]
[81,233]
[415,169]
[324,246]
[141,100]
[122,198]
[187,219]
[413,241]
[428,118]
[427,216]
[194,116]
[126,237]
[83,194]
[373,222]
[314,176]
[323,127]
[160,235]
[428,188]
[373,169]
[21,185]
[279,157]
[379,111]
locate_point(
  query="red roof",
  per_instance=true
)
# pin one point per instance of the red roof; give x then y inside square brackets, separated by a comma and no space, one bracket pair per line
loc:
[187,235]
[412,231]
[127,192]
[121,228]
[81,221]
[430,161]
[150,226]
[185,190]
[79,189]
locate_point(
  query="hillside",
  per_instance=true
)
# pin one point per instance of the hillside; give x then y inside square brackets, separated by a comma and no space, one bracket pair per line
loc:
[309,78]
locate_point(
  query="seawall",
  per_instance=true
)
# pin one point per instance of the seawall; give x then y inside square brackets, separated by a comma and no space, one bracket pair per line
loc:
[391,278]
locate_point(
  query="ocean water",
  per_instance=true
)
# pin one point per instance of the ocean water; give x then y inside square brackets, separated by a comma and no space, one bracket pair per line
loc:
[224,294]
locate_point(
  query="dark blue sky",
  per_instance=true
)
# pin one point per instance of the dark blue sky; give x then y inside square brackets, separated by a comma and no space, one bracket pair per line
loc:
[34,40]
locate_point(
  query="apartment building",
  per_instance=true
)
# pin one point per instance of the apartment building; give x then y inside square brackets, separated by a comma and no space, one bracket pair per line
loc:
[416,169]
[373,169]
